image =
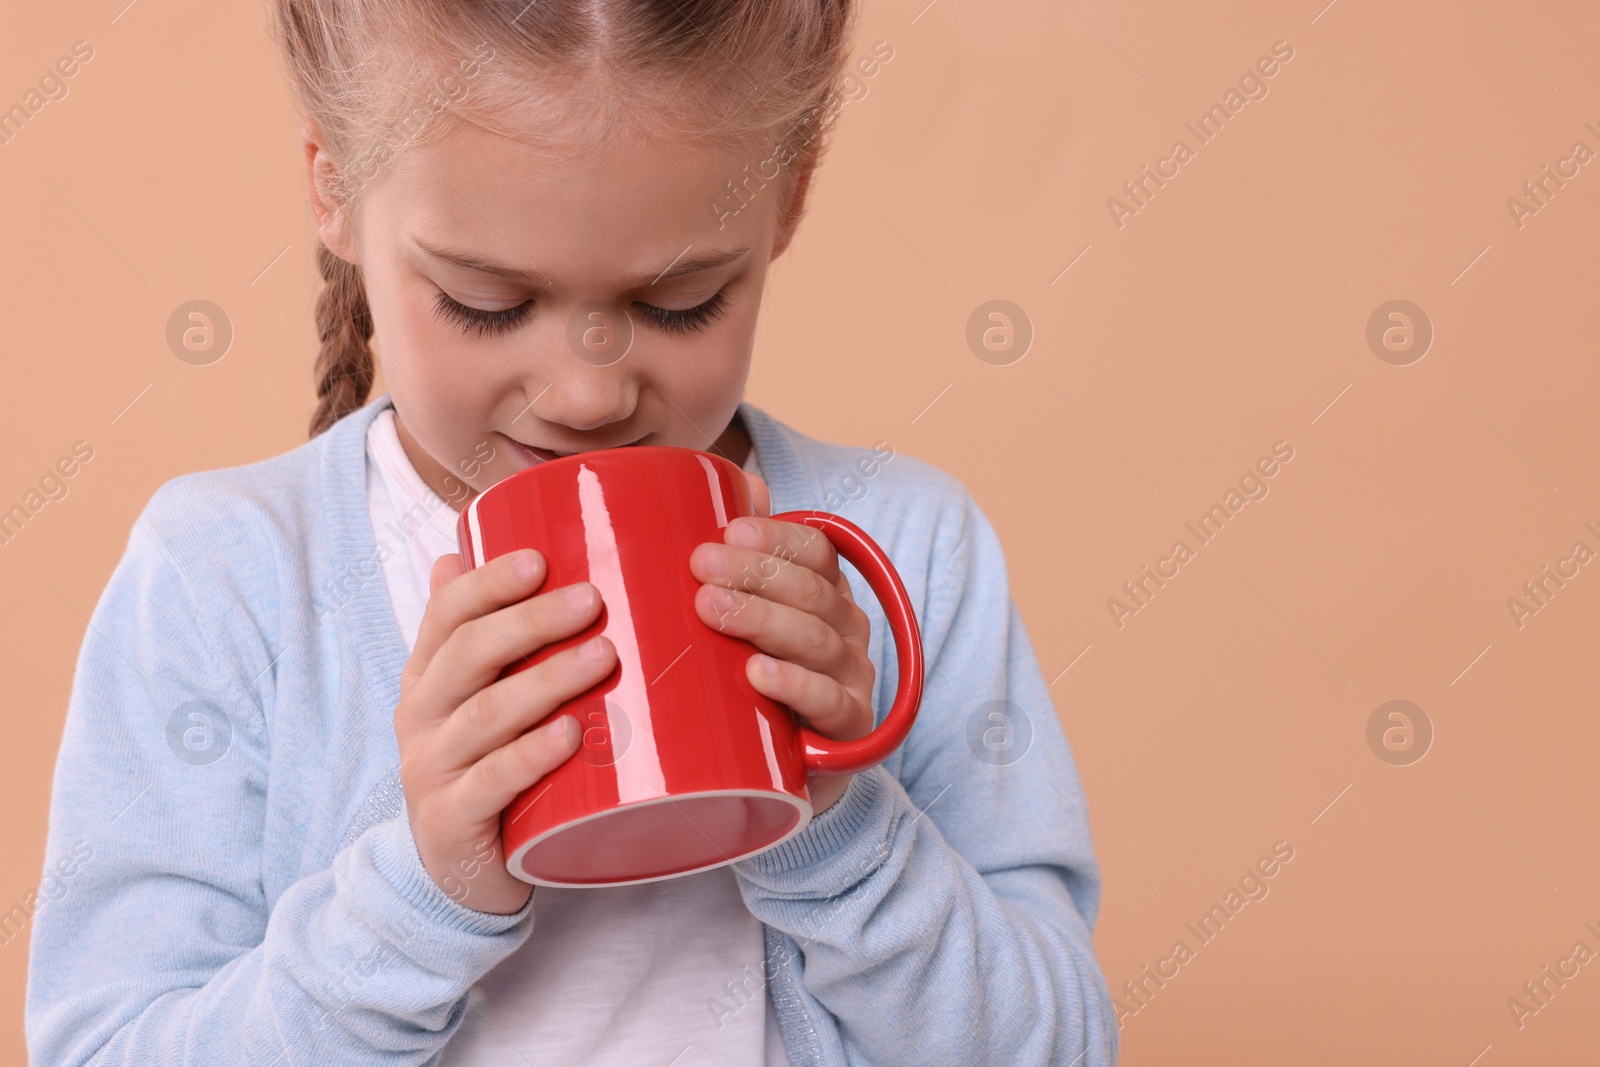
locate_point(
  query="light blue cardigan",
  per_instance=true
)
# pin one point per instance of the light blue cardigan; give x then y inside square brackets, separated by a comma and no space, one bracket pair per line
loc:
[230,877]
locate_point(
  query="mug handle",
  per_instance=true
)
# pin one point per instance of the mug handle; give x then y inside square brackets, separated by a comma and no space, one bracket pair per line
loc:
[824,756]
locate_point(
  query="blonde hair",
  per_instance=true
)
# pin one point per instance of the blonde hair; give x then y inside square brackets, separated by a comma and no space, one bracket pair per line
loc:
[746,75]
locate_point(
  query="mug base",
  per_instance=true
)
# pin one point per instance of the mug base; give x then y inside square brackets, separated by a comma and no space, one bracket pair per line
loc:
[666,837]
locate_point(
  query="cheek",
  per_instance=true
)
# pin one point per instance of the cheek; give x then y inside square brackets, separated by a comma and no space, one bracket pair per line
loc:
[709,386]
[708,371]
[718,359]
[426,370]
[405,324]
[424,359]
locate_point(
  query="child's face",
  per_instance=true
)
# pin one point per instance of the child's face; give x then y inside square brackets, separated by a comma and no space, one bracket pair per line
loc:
[589,238]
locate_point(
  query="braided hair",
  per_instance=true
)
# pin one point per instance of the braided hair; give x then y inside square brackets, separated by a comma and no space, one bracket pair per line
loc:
[345,367]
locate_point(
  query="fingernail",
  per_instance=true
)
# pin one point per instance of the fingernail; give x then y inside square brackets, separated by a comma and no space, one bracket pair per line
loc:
[723,599]
[592,650]
[744,534]
[579,597]
[525,563]
[766,664]
[716,558]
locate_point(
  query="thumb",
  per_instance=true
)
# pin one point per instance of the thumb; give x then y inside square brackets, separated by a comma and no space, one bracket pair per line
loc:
[445,568]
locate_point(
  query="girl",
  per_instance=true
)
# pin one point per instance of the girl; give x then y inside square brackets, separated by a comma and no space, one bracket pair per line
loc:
[287,748]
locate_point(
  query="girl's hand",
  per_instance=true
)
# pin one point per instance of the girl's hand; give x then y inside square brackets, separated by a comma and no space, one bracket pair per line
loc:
[778,585]
[466,747]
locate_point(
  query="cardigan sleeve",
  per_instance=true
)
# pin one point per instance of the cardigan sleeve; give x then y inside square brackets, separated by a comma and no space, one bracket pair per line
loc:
[153,941]
[945,916]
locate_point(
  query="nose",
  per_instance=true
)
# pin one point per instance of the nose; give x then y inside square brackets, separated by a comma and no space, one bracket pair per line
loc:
[585,398]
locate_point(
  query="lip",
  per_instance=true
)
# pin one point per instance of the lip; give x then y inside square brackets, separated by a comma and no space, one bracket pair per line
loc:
[534,454]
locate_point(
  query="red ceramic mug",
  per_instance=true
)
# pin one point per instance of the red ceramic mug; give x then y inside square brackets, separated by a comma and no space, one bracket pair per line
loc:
[683,765]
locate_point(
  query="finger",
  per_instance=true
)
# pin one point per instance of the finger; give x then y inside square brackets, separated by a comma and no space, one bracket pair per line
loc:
[491,784]
[479,649]
[497,714]
[759,493]
[780,630]
[444,569]
[827,706]
[456,594]
[782,581]
[791,541]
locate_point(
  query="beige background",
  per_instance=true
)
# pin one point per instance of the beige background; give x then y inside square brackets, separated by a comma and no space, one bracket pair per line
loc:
[1227,314]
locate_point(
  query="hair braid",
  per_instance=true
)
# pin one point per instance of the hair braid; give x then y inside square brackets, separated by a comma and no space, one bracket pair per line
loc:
[345,366]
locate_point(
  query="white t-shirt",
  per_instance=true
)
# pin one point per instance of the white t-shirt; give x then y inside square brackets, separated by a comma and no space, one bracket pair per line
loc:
[660,973]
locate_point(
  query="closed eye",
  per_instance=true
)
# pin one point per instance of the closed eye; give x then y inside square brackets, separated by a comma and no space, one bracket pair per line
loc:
[485,322]
[695,318]
[492,323]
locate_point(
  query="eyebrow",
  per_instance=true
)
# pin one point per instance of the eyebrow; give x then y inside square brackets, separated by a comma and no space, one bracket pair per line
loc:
[684,264]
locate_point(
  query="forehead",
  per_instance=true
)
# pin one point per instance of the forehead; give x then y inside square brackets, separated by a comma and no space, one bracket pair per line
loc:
[617,209]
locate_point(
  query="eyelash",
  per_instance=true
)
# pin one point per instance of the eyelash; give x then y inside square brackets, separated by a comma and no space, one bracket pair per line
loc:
[497,322]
